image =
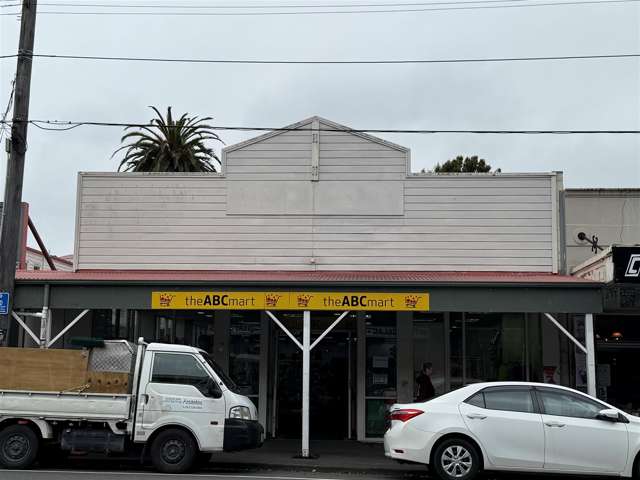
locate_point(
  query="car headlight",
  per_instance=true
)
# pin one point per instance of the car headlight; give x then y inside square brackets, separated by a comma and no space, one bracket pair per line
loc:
[240,412]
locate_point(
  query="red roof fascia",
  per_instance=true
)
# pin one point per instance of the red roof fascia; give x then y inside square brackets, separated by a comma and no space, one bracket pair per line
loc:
[259,276]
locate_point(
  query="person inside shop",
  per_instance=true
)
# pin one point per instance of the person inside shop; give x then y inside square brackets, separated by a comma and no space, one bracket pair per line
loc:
[426,391]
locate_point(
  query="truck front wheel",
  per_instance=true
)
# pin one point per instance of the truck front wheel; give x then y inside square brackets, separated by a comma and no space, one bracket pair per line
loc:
[173,451]
[18,447]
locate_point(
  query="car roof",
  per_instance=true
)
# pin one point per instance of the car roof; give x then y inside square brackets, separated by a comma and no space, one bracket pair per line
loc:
[461,394]
[520,384]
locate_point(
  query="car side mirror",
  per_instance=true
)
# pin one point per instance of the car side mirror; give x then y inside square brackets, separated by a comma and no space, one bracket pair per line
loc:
[214,389]
[609,415]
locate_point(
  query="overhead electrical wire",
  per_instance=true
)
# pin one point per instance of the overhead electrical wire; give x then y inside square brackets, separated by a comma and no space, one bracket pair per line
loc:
[4,127]
[63,125]
[265,7]
[333,62]
[326,12]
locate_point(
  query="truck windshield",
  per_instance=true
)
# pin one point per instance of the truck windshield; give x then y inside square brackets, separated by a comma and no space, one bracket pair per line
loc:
[226,379]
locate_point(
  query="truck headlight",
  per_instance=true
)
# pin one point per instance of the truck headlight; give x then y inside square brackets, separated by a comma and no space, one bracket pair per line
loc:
[240,412]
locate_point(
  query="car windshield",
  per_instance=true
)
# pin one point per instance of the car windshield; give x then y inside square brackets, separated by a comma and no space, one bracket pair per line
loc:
[226,379]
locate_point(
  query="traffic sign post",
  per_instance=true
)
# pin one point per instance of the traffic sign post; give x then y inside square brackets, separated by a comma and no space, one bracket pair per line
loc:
[4,303]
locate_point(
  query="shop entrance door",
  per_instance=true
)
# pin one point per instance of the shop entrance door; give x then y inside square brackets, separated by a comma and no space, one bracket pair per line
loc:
[328,389]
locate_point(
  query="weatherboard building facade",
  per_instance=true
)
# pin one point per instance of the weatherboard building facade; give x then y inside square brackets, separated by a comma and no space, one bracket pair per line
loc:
[322,235]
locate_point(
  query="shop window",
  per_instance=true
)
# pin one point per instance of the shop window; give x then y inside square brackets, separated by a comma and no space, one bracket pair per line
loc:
[165,329]
[495,347]
[617,353]
[202,331]
[428,355]
[105,324]
[244,352]
[381,370]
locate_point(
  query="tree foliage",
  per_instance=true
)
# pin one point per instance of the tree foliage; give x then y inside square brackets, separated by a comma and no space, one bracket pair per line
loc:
[170,145]
[462,164]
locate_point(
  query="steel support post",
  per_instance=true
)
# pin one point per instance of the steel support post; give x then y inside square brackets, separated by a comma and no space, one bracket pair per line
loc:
[306,354]
[45,319]
[45,327]
[591,354]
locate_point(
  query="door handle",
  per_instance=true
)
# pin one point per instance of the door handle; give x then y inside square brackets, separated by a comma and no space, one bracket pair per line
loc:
[554,424]
[476,416]
[145,398]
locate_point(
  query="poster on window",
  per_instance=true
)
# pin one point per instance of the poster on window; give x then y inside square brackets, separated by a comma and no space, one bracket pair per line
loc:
[580,357]
[380,362]
[380,379]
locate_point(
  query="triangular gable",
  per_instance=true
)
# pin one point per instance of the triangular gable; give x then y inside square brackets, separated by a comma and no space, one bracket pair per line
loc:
[308,122]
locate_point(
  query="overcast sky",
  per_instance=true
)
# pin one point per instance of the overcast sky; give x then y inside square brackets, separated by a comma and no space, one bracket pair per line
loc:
[581,94]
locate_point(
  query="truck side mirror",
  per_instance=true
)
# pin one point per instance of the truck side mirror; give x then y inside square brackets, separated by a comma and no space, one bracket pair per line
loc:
[214,389]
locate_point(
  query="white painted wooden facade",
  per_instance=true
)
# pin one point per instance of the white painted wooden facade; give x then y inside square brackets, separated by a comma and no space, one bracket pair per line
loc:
[318,199]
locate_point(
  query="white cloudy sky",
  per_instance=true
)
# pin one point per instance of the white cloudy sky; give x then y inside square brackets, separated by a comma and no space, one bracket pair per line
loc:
[582,94]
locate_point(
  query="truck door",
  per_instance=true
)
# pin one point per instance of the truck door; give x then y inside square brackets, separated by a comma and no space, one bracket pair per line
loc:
[181,392]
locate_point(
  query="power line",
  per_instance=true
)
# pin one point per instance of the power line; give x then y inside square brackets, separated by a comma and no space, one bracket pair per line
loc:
[3,122]
[62,125]
[334,62]
[329,12]
[266,7]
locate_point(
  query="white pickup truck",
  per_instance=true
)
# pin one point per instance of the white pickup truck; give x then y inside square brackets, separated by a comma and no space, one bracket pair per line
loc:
[182,407]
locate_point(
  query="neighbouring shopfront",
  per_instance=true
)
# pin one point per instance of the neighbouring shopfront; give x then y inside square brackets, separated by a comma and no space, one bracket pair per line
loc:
[617,329]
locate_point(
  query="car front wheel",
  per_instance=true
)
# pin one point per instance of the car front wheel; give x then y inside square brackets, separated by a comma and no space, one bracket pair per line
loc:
[456,459]
[174,451]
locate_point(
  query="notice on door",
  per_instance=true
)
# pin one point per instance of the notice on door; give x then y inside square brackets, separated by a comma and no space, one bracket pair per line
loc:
[371,301]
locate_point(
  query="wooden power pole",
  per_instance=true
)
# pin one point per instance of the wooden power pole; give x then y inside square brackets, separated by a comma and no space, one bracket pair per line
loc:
[15,166]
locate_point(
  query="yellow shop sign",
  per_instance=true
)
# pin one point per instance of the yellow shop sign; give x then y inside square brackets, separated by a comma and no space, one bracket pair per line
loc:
[207,300]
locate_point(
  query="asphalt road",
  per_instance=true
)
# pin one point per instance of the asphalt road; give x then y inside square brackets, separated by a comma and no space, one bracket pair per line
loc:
[149,475]
[144,473]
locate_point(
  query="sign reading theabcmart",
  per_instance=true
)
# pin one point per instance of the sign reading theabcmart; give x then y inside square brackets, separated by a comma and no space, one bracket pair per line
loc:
[221,300]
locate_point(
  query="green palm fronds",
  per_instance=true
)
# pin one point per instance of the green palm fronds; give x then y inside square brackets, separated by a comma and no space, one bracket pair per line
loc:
[170,145]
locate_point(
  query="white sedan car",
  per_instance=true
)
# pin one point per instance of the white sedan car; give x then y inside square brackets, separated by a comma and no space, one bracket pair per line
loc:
[515,426]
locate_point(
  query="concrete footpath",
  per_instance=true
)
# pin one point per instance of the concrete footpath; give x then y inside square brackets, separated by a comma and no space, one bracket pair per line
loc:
[328,456]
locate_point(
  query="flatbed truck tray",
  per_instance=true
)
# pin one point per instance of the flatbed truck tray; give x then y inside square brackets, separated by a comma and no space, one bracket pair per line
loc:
[65,405]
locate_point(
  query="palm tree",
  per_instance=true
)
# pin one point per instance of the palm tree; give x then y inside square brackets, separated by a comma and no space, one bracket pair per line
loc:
[170,145]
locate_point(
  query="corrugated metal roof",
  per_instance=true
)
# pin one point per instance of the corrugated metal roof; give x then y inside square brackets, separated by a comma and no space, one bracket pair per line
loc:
[302,277]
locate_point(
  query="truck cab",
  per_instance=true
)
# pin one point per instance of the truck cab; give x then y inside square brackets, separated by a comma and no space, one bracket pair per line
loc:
[182,387]
[181,407]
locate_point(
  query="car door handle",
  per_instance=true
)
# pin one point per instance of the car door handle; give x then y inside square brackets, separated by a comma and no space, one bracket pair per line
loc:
[554,424]
[476,416]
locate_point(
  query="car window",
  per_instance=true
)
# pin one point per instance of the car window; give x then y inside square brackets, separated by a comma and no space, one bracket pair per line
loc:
[476,400]
[567,404]
[181,369]
[509,399]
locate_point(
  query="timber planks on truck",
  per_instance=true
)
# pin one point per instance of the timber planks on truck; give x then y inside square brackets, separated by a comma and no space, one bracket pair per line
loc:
[46,370]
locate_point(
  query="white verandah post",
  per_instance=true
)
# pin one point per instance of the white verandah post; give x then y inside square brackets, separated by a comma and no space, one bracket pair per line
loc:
[306,354]
[591,354]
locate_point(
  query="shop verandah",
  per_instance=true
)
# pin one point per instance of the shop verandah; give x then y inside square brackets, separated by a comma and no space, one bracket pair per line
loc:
[475,327]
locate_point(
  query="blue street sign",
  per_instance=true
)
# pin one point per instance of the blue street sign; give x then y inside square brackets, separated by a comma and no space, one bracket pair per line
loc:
[4,303]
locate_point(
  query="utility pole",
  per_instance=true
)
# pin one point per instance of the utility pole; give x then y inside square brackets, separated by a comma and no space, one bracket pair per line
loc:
[15,166]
